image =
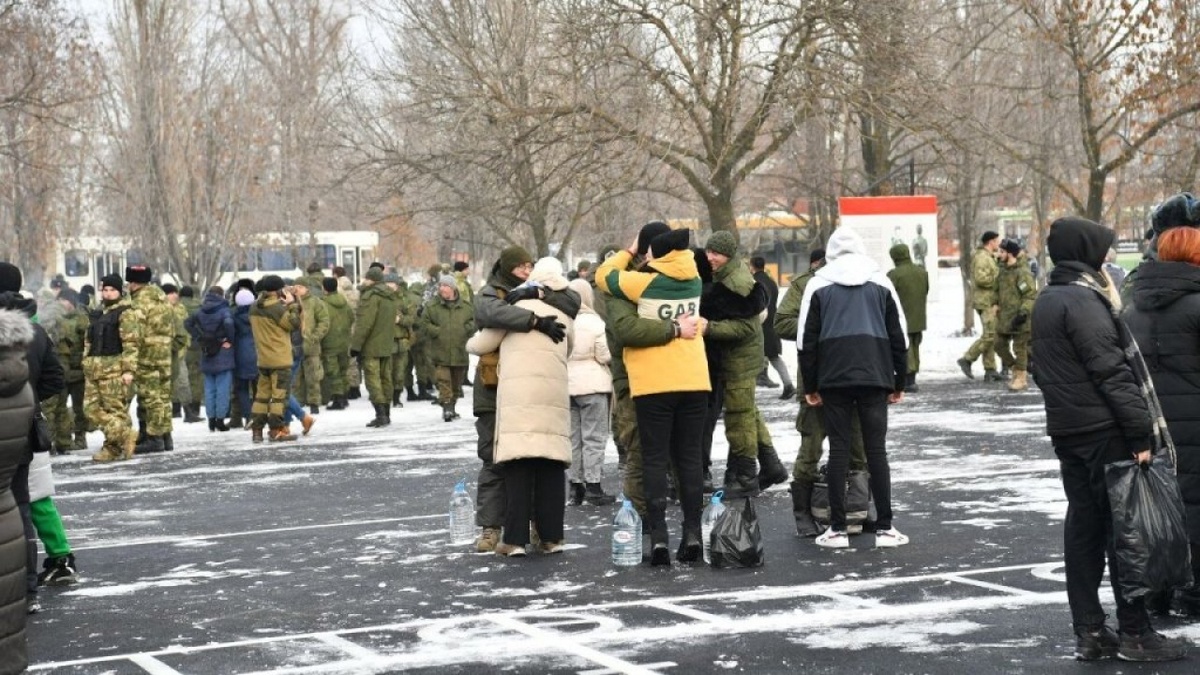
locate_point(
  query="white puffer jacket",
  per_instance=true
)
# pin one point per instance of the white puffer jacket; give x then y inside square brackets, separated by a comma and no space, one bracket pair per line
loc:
[587,371]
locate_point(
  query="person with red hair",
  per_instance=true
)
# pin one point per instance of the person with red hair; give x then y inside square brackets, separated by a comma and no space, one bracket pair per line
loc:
[1164,317]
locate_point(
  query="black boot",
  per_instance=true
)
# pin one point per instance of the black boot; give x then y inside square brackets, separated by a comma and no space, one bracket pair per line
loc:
[801,509]
[910,384]
[353,393]
[576,493]
[741,477]
[168,442]
[236,423]
[379,420]
[221,426]
[788,392]
[151,444]
[690,547]
[447,414]
[764,380]
[771,470]
[387,414]
[141,437]
[425,394]
[595,495]
[212,424]
[396,398]
[412,395]
[708,484]
[176,410]
[314,410]
[660,552]
[191,413]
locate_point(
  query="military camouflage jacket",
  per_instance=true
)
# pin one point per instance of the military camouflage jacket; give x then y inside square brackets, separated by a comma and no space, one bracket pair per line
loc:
[1017,290]
[984,271]
[157,329]
[97,368]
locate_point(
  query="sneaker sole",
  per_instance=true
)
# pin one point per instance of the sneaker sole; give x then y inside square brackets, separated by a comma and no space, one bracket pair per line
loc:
[889,544]
[833,544]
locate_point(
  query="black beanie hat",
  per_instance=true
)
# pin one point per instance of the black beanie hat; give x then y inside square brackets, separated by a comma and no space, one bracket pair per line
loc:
[168,289]
[375,264]
[647,234]
[329,284]
[247,284]
[671,240]
[461,265]
[1011,247]
[187,292]
[988,236]
[272,282]
[111,281]
[816,255]
[10,278]
[138,274]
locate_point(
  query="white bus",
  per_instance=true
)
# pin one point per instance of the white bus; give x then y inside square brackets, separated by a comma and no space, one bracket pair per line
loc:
[84,260]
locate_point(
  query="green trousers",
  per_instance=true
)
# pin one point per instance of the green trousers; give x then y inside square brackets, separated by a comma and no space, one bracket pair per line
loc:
[985,346]
[49,526]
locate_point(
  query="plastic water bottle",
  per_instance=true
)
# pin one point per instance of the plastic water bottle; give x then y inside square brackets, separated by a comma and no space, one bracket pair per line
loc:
[462,515]
[627,536]
[712,513]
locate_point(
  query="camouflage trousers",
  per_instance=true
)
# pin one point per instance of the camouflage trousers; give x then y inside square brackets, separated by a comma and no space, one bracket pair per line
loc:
[194,376]
[1016,357]
[400,369]
[625,434]
[270,396]
[334,382]
[106,404]
[181,388]
[153,390]
[353,374]
[67,420]
[377,374]
[424,365]
[985,346]
[449,381]
[811,425]
[742,421]
[307,386]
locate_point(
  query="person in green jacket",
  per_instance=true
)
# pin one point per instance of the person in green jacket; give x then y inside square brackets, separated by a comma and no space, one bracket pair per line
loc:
[447,323]
[912,285]
[739,342]
[406,321]
[1017,291]
[335,346]
[373,342]
[69,333]
[984,272]
[809,421]
[416,346]
[191,409]
[315,325]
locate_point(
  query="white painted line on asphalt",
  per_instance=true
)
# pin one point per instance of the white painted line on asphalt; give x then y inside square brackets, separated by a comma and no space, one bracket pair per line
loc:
[689,612]
[152,665]
[848,599]
[984,584]
[608,671]
[351,648]
[556,642]
[156,541]
[917,477]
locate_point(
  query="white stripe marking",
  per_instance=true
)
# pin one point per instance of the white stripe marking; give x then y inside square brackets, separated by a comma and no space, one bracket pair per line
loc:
[689,612]
[550,642]
[152,665]
[984,584]
[352,648]
[608,671]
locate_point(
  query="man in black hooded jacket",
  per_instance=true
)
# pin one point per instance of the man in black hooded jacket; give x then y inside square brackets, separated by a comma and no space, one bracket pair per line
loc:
[1095,415]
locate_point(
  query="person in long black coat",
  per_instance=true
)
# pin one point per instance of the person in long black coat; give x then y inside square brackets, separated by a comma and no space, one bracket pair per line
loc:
[772,345]
[1165,320]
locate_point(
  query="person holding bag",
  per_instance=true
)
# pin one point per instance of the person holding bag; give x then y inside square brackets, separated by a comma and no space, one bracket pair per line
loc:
[1096,415]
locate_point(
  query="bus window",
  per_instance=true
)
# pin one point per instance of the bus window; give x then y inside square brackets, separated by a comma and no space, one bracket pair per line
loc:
[246,258]
[324,254]
[134,257]
[276,259]
[350,263]
[75,263]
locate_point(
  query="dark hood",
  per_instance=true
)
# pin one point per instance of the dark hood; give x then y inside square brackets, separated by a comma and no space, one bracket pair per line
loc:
[1074,239]
[1160,284]
[213,303]
[900,254]
[10,300]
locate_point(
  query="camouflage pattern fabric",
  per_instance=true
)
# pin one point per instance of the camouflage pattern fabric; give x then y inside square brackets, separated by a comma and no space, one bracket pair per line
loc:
[106,398]
[192,356]
[153,377]
[66,422]
[308,379]
[985,346]
[741,419]
[271,396]
[377,373]
[625,434]
[335,365]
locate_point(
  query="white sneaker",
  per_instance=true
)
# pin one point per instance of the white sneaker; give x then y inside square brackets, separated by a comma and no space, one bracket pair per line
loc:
[890,538]
[833,539]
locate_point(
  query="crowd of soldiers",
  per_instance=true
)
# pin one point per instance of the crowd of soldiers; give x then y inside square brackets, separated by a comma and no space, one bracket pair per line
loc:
[1003,291]
[298,345]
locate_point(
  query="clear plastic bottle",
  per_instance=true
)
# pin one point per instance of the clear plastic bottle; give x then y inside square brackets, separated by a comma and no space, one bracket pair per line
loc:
[712,512]
[462,515]
[627,536]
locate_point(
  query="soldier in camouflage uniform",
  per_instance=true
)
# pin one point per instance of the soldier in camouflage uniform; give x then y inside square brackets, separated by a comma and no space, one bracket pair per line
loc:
[156,340]
[424,354]
[335,346]
[1016,290]
[273,318]
[181,388]
[809,421]
[109,364]
[347,289]
[315,326]
[416,294]
[69,333]
[373,340]
[406,320]
[191,408]
[984,271]
[447,323]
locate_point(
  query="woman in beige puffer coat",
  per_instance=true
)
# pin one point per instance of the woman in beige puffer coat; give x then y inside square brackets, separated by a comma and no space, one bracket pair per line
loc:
[16,416]
[533,417]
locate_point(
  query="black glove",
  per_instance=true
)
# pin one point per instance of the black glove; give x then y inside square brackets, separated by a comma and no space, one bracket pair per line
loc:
[551,327]
[523,293]
[1019,320]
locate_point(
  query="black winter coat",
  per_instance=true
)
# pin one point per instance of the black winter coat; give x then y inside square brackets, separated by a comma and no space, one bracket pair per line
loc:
[772,345]
[1165,321]
[1089,389]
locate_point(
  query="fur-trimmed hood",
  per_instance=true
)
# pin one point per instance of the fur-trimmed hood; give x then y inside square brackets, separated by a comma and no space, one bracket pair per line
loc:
[15,329]
[16,332]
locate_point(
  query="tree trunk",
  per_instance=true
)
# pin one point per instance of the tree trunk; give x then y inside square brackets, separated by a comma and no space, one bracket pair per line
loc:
[1095,198]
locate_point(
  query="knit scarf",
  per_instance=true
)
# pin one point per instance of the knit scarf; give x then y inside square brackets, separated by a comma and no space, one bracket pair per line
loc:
[1133,357]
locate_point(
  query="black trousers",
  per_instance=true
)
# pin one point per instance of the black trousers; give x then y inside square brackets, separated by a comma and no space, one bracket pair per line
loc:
[1088,535]
[542,484]
[839,406]
[489,497]
[716,402]
[670,427]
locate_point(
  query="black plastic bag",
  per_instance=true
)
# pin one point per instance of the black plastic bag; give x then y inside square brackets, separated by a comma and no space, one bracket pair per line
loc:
[859,508]
[1148,526]
[736,538]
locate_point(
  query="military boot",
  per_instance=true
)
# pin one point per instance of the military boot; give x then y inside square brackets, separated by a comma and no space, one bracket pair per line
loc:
[396,398]
[150,445]
[772,471]
[168,442]
[236,423]
[128,449]
[741,477]
[353,393]
[802,509]
[282,434]
[176,410]
[486,543]
[424,393]
[447,414]
[1019,381]
[412,395]
[256,434]
[992,376]
[595,495]
[108,453]
[380,416]
[80,441]
[141,437]
[191,413]
[910,384]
